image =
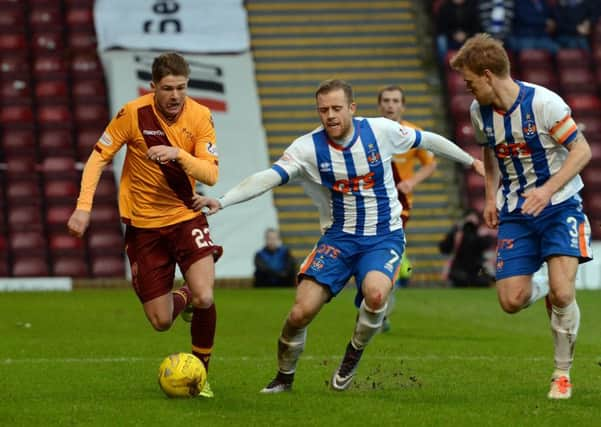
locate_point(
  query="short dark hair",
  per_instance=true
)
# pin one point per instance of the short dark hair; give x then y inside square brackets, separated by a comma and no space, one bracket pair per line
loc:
[328,86]
[391,88]
[169,63]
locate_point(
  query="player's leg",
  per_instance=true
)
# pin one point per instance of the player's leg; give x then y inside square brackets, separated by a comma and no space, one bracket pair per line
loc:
[402,280]
[565,321]
[310,298]
[152,276]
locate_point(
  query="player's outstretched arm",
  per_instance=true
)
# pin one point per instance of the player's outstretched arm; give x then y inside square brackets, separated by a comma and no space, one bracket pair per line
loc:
[445,148]
[247,189]
[80,218]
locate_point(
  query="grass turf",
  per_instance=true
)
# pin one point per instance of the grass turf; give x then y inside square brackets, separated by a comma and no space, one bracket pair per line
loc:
[452,358]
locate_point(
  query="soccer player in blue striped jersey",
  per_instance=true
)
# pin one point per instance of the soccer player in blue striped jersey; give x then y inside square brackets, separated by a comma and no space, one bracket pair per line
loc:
[533,154]
[345,165]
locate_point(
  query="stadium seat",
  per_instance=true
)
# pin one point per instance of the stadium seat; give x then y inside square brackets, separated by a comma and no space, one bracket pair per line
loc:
[57,216]
[105,215]
[577,80]
[81,41]
[27,241]
[15,91]
[476,202]
[16,116]
[86,113]
[79,17]
[20,165]
[460,106]
[107,188]
[86,66]
[535,58]
[23,190]
[86,139]
[541,76]
[86,90]
[69,266]
[56,142]
[455,83]
[18,141]
[46,17]
[52,91]
[106,241]
[568,58]
[4,270]
[590,125]
[13,42]
[55,166]
[54,115]
[47,42]
[595,151]
[584,105]
[591,175]
[61,191]
[464,133]
[12,19]
[28,266]
[24,217]
[474,183]
[108,266]
[50,66]
[16,65]
[63,242]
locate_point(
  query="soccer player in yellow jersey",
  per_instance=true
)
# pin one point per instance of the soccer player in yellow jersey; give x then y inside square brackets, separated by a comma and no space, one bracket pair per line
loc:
[170,142]
[391,104]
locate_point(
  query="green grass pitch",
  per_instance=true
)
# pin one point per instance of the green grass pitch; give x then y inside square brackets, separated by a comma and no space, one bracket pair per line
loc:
[452,358]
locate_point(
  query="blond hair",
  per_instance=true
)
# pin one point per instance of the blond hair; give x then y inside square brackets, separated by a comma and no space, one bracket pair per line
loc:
[482,52]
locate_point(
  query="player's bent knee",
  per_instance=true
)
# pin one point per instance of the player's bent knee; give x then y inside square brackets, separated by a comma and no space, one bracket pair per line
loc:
[374,299]
[298,317]
[511,305]
[561,298]
[160,324]
[202,300]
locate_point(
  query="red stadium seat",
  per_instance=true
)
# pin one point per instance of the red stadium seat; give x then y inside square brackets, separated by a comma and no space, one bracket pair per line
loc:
[64,242]
[28,241]
[107,189]
[596,151]
[28,266]
[47,42]
[541,76]
[69,266]
[56,142]
[460,106]
[80,17]
[86,90]
[52,91]
[590,125]
[476,202]
[12,19]
[108,266]
[90,113]
[20,165]
[23,190]
[16,65]
[22,217]
[19,141]
[86,66]
[455,83]
[54,115]
[591,175]
[57,216]
[474,183]
[4,270]
[464,133]
[13,42]
[82,40]
[57,165]
[103,241]
[44,17]
[535,58]
[568,58]
[86,139]
[16,116]
[15,91]
[105,215]
[50,66]
[584,104]
[577,80]
[63,190]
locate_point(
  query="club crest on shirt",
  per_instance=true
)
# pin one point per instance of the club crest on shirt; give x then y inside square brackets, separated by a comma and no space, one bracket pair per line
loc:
[373,157]
[529,127]
[211,148]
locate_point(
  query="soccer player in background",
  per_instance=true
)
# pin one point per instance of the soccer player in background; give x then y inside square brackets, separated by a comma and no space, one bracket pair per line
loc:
[531,143]
[391,104]
[345,164]
[170,142]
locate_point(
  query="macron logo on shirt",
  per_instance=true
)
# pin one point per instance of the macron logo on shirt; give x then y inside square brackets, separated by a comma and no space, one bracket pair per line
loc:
[157,132]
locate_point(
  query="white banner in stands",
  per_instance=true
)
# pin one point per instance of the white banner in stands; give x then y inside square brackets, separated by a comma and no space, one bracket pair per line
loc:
[33,284]
[201,26]
[225,83]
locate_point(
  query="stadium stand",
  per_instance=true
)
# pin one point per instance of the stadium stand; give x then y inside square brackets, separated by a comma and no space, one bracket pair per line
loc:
[53,107]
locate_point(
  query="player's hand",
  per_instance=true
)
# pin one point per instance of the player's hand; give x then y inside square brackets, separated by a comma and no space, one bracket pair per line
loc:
[536,200]
[207,205]
[491,216]
[162,154]
[478,167]
[406,186]
[78,222]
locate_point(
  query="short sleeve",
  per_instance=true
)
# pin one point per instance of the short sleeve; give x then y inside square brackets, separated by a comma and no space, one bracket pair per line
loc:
[401,138]
[290,164]
[558,120]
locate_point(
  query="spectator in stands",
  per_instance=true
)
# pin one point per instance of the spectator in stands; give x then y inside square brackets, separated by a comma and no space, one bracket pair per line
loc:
[496,17]
[467,245]
[456,21]
[575,20]
[274,264]
[533,27]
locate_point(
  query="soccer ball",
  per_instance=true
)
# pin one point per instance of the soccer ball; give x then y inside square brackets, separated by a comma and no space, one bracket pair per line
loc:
[182,375]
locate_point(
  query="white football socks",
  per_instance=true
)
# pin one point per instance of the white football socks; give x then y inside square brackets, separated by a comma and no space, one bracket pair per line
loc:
[368,324]
[290,346]
[539,286]
[565,322]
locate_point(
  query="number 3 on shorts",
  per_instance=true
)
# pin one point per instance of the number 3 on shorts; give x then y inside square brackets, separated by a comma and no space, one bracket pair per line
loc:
[202,238]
